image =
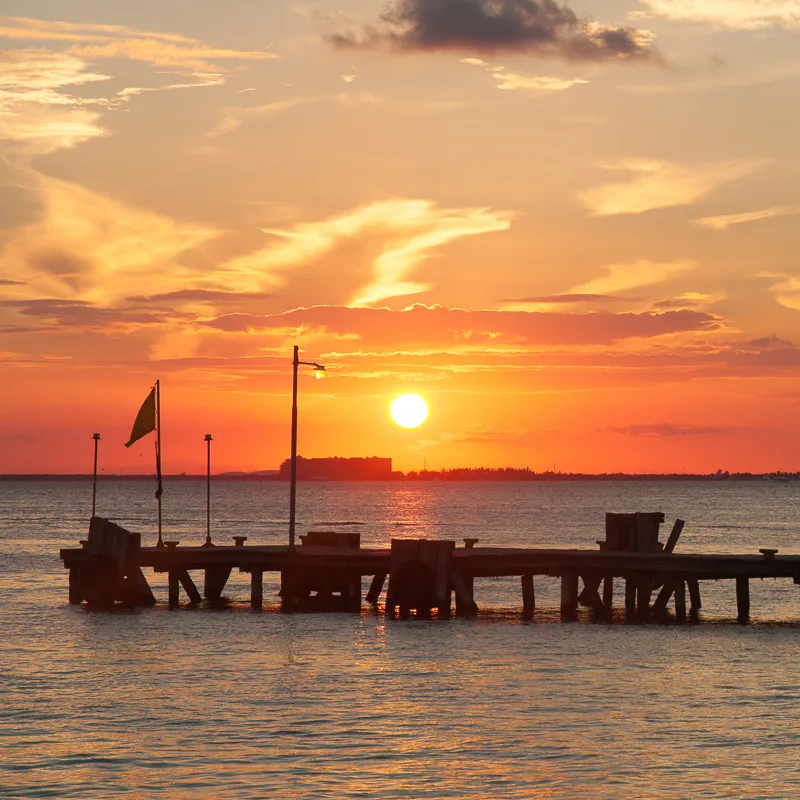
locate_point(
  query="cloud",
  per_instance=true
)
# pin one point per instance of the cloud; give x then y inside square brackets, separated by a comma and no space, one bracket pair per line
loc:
[786,289]
[509,81]
[233,118]
[90,248]
[622,277]
[723,222]
[409,231]
[36,114]
[661,184]
[741,14]
[540,27]
[437,326]
[115,41]
[666,429]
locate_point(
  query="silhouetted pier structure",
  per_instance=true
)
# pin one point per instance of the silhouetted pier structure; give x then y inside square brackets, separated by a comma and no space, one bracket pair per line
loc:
[325,572]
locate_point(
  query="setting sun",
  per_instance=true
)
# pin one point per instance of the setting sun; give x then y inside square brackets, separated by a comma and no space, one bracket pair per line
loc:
[409,410]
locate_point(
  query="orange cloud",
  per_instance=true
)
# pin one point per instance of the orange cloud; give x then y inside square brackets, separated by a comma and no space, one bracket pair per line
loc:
[661,184]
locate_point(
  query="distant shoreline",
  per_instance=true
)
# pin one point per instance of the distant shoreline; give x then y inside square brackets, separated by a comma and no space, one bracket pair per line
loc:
[426,477]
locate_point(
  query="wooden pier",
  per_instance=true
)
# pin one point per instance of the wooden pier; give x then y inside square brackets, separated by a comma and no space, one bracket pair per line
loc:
[325,572]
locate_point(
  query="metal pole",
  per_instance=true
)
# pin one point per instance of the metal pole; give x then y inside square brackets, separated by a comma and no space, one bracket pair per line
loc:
[209,543]
[293,458]
[96,437]
[160,542]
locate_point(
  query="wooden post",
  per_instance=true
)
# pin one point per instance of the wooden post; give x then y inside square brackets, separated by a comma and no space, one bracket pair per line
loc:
[608,591]
[257,589]
[528,596]
[660,604]
[75,595]
[644,588]
[189,587]
[694,595]
[465,602]
[673,536]
[174,587]
[569,595]
[743,598]
[680,600]
[215,580]
[375,588]
[630,596]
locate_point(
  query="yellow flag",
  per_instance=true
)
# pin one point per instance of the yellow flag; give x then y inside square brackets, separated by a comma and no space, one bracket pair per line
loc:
[145,419]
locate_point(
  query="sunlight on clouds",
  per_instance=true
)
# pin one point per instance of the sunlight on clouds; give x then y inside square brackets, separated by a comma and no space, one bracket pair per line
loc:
[34,113]
[786,290]
[91,248]
[743,14]
[510,81]
[661,184]
[724,221]
[411,229]
[631,276]
[114,41]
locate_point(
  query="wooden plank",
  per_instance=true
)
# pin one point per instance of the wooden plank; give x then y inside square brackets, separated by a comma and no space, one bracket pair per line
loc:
[673,536]
[644,589]
[375,588]
[419,573]
[174,587]
[569,595]
[189,587]
[743,599]
[528,596]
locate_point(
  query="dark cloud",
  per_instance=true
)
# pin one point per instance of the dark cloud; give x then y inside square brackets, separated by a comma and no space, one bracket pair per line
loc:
[438,325]
[678,302]
[771,343]
[542,27]
[80,315]
[666,429]
[570,298]
[7,282]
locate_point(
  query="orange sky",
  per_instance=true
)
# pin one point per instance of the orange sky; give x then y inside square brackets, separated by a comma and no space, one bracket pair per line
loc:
[573,229]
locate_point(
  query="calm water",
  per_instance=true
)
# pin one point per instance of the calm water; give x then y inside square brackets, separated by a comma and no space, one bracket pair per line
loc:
[239,704]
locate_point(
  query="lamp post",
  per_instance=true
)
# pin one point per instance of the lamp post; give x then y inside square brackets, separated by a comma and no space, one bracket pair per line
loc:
[96,437]
[320,371]
[208,542]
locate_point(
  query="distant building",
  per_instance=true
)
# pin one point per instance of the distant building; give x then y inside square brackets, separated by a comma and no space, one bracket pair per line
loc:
[339,469]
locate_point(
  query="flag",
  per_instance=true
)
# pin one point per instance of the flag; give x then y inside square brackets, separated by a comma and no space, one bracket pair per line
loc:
[145,419]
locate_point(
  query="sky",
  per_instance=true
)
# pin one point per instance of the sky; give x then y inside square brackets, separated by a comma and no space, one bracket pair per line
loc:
[571,228]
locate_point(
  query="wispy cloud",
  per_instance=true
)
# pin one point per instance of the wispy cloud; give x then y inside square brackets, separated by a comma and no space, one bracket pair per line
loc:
[115,41]
[90,248]
[725,221]
[541,27]
[409,230]
[661,184]
[36,113]
[233,118]
[785,289]
[741,14]
[667,429]
[509,81]
[621,277]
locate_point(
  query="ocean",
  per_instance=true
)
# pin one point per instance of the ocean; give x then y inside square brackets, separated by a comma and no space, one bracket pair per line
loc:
[233,703]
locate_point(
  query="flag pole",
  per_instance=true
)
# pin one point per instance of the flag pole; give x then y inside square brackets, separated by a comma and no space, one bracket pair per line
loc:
[208,542]
[159,490]
[96,437]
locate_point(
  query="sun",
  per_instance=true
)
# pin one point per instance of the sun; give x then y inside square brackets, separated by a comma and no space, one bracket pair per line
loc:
[409,410]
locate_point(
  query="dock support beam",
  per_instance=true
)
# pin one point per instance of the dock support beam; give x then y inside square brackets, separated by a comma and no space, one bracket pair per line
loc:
[680,600]
[375,588]
[216,578]
[630,596]
[528,596]
[75,594]
[743,599]
[189,587]
[174,589]
[569,596]
[257,589]
[608,591]
[694,596]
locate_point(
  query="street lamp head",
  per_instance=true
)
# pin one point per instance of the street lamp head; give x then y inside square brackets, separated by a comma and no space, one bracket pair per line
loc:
[96,436]
[208,438]
[319,371]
